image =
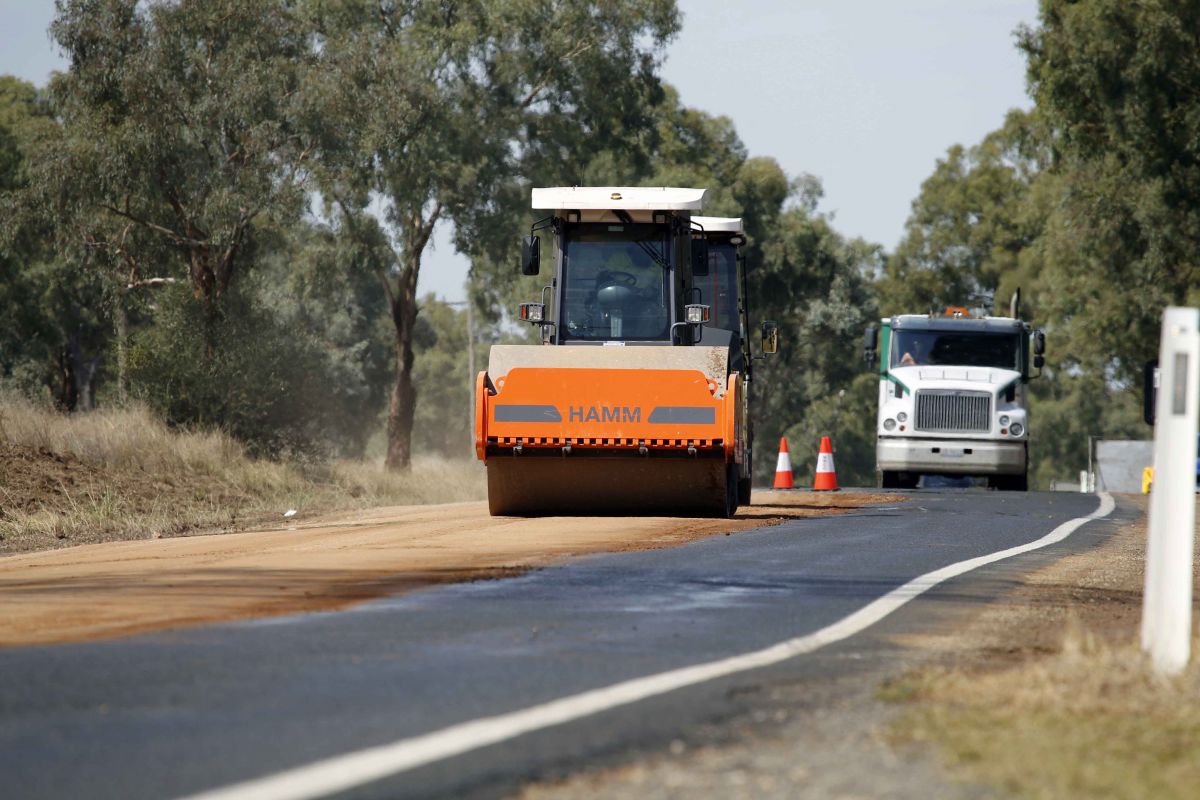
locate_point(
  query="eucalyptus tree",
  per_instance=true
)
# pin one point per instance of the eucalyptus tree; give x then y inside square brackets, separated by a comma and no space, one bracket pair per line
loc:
[1116,85]
[184,125]
[438,111]
[55,322]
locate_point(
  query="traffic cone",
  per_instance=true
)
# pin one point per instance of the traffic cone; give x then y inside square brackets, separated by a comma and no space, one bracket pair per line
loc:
[783,467]
[826,478]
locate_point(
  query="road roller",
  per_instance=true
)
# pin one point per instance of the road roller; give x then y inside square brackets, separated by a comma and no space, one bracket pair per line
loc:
[635,401]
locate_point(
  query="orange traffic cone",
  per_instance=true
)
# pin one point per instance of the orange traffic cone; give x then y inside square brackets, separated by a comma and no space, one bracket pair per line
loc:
[783,467]
[826,479]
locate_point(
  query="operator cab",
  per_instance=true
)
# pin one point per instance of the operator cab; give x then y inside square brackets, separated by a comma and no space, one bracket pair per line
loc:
[720,283]
[622,266]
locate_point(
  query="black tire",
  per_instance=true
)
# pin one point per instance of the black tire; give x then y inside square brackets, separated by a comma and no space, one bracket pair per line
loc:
[744,492]
[889,479]
[1010,483]
[732,490]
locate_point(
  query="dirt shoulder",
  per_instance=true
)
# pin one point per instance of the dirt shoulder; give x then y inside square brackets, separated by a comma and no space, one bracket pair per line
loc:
[119,588]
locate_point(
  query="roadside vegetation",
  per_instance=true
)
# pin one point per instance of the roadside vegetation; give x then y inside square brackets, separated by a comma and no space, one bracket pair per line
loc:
[1049,695]
[123,474]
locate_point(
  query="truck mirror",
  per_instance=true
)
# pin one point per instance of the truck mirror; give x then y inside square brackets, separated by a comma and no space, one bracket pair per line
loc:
[770,338]
[1039,343]
[699,257]
[1039,361]
[531,251]
[1149,390]
[869,343]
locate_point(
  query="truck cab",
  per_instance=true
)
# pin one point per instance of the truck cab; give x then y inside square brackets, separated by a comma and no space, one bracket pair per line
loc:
[953,397]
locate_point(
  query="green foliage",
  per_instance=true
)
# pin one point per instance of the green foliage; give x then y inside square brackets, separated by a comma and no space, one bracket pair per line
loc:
[322,286]
[447,389]
[1115,84]
[56,318]
[816,285]
[263,382]
[183,126]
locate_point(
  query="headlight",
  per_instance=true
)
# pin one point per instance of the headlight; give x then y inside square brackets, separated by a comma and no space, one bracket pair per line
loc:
[1004,420]
[902,417]
[697,313]
[889,424]
[533,312]
[1017,429]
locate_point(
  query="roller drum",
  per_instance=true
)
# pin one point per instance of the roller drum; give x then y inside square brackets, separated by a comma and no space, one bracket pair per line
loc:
[601,486]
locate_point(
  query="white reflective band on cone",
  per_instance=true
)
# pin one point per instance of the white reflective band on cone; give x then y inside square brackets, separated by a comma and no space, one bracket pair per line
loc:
[784,464]
[825,462]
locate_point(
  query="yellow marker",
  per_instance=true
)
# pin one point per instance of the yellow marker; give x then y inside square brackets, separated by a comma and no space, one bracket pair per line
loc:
[1147,479]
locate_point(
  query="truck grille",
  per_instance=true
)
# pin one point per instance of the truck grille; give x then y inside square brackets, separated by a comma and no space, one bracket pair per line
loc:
[954,411]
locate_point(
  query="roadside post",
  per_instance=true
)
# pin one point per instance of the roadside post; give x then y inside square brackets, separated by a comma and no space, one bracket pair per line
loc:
[1167,603]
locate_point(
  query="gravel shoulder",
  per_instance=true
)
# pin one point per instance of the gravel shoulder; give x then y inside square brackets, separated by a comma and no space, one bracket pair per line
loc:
[121,588]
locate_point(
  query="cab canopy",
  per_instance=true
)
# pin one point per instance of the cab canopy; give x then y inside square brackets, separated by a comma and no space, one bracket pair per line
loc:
[628,198]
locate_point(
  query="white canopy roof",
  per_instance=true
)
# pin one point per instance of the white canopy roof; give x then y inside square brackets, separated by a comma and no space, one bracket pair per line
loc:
[720,224]
[630,198]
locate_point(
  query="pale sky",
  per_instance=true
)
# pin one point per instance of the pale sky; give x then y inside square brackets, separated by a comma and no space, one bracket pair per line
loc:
[864,94]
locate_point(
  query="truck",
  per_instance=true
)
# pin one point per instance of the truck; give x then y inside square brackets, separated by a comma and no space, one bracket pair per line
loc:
[953,397]
[634,400]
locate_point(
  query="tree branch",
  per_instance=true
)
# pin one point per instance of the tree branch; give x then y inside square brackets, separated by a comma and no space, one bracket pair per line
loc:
[147,282]
[177,237]
[532,97]
[352,223]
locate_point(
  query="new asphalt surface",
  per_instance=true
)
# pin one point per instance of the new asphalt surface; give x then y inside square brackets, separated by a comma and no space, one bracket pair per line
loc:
[174,713]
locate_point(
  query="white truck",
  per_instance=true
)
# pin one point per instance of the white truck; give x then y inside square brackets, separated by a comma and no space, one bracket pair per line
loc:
[953,396]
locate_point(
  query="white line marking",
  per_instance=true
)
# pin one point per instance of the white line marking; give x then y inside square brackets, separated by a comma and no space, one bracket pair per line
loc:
[340,773]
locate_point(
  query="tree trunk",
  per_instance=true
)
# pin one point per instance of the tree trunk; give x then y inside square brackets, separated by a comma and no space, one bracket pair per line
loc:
[64,390]
[403,406]
[122,325]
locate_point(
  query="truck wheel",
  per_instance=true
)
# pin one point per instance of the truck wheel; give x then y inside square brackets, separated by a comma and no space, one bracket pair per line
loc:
[1010,483]
[891,479]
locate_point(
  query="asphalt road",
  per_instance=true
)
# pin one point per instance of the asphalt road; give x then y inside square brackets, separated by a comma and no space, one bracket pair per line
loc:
[170,714]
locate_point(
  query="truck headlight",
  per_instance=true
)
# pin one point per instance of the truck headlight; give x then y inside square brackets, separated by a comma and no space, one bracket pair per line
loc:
[902,417]
[1004,420]
[1016,429]
[889,424]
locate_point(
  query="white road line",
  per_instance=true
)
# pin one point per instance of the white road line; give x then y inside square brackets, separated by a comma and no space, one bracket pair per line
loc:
[340,773]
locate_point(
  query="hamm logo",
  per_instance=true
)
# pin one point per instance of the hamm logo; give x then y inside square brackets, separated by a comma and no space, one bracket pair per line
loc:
[603,414]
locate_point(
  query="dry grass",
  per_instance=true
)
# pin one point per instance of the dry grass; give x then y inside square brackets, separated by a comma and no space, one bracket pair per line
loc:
[1050,697]
[123,474]
[1090,721]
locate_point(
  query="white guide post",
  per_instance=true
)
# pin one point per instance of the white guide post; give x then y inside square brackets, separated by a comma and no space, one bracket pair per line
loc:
[1167,605]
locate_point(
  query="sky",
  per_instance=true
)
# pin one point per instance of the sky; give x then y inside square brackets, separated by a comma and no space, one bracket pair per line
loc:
[864,94]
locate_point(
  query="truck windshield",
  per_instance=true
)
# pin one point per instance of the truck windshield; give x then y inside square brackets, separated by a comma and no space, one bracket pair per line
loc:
[616,283]
[951,348]
[718,289]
